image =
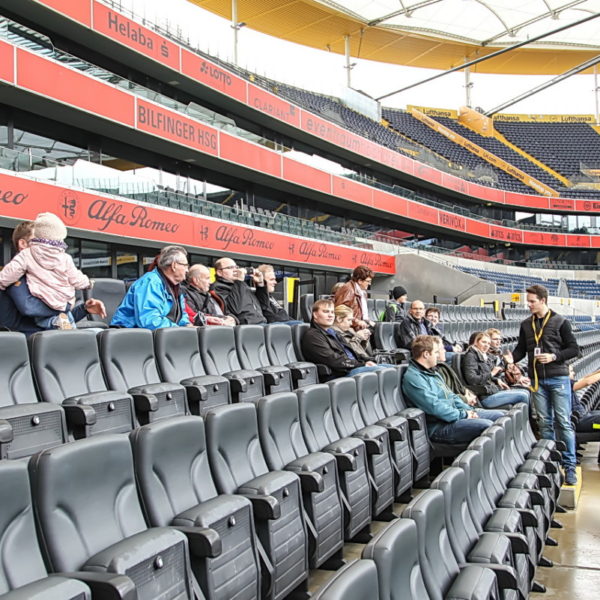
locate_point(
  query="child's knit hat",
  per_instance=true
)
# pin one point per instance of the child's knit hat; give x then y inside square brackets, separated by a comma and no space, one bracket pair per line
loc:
[48,226]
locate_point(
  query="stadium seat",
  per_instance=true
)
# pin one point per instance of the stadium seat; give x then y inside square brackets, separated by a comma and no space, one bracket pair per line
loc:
[349,423]
[384,342]
[320,434]
[280,349]
[284,448]
[67,371]
[252,354]
[178,360]
[129,365]
[239,467]
[219,356]
[305,307]
[111,292]
[90,520]
[177,488]
[23,574]
[354,581]
[26,425]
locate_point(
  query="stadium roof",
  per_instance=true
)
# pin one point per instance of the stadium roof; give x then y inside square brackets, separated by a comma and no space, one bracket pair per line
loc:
[438,34]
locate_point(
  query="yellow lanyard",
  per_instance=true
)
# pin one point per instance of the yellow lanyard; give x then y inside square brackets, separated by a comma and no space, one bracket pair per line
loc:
[537,336]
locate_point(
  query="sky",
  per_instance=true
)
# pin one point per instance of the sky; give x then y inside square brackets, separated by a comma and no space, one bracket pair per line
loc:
[324,72]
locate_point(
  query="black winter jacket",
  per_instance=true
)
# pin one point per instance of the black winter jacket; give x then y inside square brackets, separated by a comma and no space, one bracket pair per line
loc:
[477,373]
[409,330]
[239,300]
[271,309]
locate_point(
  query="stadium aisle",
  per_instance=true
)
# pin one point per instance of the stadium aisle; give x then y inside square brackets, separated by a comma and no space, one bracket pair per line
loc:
[576,572]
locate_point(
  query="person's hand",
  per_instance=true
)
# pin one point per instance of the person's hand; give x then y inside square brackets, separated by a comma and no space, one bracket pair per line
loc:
[239,274]
[229,321]
[508,357]
[370,363]
[545,358]
[370,323]
[258,278]
[363,334]
[189,325]
[361,325]
[471,398]
[525,381]
[503,385]
[496,370]
[95,307]
[472,414]
[457,348]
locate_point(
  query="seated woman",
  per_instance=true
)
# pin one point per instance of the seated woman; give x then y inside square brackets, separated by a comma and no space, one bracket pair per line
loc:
[483,378]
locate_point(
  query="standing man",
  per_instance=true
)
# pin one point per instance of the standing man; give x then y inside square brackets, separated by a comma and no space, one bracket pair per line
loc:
[547,340]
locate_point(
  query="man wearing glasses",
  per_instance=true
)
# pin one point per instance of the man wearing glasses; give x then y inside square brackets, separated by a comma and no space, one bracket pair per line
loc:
[156,299]
[236,294]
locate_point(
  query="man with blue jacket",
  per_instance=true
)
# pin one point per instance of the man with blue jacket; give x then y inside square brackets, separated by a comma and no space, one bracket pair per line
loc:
[449,419]
[156,300]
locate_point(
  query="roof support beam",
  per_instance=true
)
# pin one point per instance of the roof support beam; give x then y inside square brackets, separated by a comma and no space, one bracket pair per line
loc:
[582,67]
[492,55]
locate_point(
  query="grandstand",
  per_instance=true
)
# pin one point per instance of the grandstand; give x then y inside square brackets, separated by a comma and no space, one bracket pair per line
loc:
[209,463]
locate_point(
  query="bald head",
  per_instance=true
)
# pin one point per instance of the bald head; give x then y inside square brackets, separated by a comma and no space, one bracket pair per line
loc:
[417,309]
[199,277]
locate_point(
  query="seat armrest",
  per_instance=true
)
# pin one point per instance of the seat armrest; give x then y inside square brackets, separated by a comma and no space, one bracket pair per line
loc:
[345,462]
[6,432]
[323,371]
[373,446]
[310,481]
[505,575]
[474,582]
[196,392]
[238,384]
[491,547]
[413,416]
[203,542]
[106,586]
[518,542]
[144,402]
[264,506]
[79,414]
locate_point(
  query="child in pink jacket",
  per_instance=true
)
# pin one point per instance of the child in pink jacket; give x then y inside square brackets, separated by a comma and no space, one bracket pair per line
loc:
[50,273]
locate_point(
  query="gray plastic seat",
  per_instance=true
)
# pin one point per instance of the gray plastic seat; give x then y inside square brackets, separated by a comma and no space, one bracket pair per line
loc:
[219,356]
[26,425]
[129,365]
[349,423]
[320,434]
[284,448]
[111,292]
[395,553]
[239,467]
[252,353]
[390,391]
[178,360]
[23,575]
[373,413]
[67,371]
[177,488]
[384,341]
[280,349]
[354,581]
[442,575]
[90,520]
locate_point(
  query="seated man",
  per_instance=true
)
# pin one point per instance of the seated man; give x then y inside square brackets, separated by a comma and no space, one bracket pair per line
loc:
[586,420]
[449,419]
[239,299]
[321,344]
[202,305]
[271,309]
[394,311]
[433,315]
[156,300]
[413,324]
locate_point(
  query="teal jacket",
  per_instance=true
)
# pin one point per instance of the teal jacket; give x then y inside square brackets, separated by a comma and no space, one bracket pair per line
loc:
[425,389]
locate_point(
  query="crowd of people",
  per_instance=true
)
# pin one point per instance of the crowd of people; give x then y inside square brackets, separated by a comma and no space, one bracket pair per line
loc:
[461,390]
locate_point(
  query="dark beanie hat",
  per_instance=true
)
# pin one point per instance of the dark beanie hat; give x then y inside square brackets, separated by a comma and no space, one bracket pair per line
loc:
[399,291]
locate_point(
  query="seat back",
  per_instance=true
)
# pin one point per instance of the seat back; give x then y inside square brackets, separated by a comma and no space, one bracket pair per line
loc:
[355,581]
[251,347]
[316,416]
[383,336]
[380,306]
[371,309]
[369,400]
[217,349]
[437,560]
[172,477]
[344,406]
[85,498]
[111,292]
[298,332]
[395,553]
[177,353]
[305,307]
[20,560]
[280,348]
[15,370]
[234,446]
[66,364]
[279,429]
[127,357]
[390,390]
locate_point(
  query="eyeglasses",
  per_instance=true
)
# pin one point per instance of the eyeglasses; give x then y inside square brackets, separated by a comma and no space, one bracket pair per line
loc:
[183,264]
[229,267]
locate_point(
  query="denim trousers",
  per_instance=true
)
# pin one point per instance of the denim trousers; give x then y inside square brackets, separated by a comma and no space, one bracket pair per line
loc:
[552,403]
[512,396]
[459,432]
[366,369]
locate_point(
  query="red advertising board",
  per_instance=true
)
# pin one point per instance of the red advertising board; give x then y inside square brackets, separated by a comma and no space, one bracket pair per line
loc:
[587,205]
[390,203]
[247,154]
[452,221]
[307,176]
[422,212]
[505,234]
[58,82]
[350,190]
[275,106]
[78,10]
[7,62]
[199,68]
[23,199]
[118,27]
[478,228]
[171,125]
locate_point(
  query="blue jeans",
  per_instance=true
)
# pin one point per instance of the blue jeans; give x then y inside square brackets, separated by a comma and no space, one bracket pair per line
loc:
[512,396]
[552,403]
[464,431]
[379,367]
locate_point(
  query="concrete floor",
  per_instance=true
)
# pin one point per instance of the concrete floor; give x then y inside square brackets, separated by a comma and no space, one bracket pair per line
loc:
[576,571]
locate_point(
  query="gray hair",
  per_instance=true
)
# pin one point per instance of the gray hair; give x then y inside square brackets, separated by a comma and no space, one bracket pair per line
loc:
[170,254]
